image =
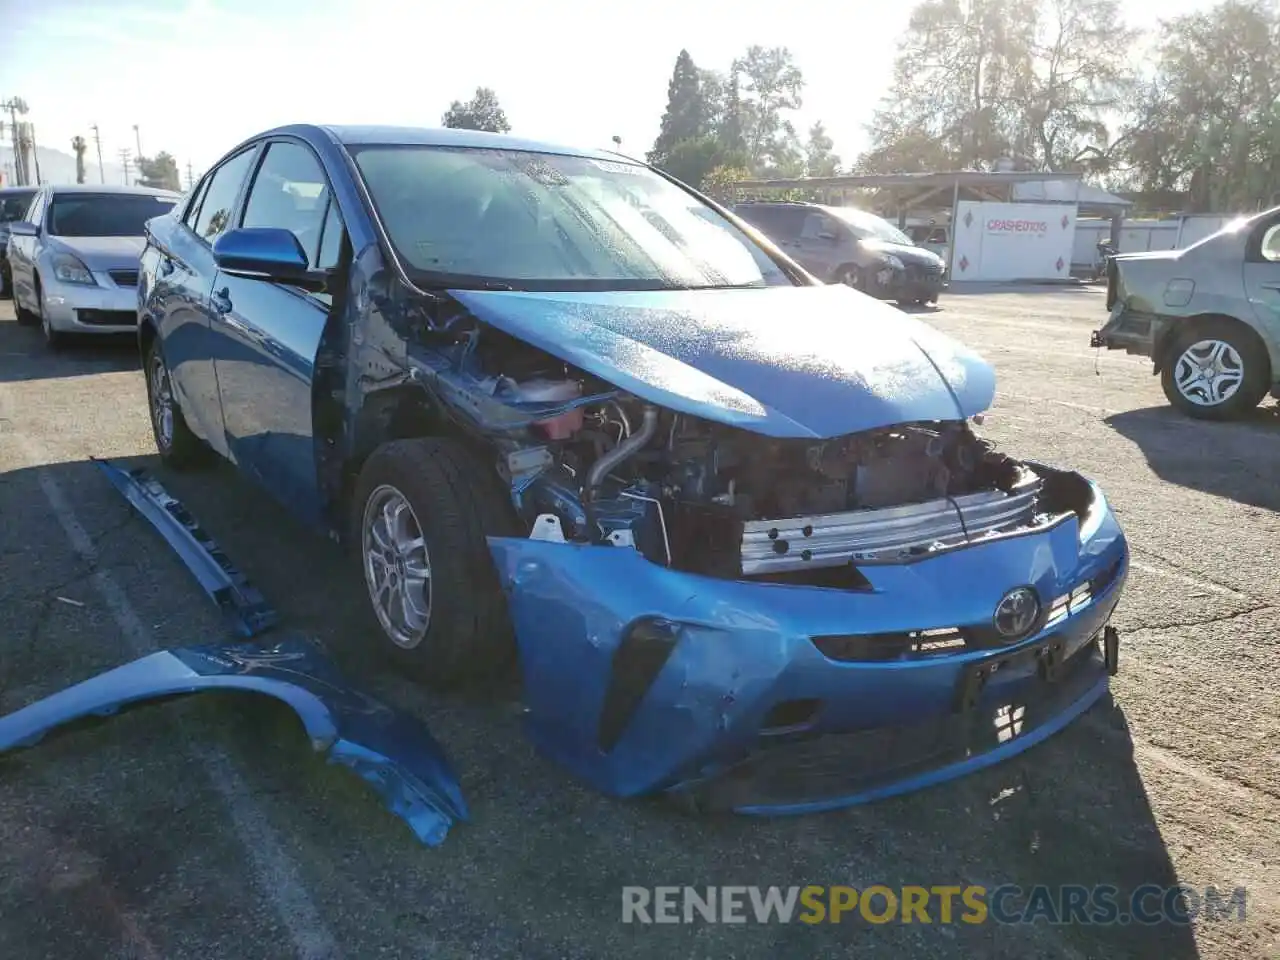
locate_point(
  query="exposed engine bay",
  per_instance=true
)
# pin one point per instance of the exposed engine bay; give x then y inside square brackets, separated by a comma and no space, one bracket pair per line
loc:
[588,463]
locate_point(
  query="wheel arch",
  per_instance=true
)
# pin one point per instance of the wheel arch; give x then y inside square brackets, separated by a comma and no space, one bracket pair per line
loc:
[403,412]
[1245,328]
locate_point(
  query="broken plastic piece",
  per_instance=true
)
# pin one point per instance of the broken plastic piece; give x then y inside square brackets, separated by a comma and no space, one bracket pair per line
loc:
[230,590]
[390,750]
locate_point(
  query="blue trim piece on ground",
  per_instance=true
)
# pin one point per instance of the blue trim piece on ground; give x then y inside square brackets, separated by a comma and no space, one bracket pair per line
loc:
[240,602]
[389,749]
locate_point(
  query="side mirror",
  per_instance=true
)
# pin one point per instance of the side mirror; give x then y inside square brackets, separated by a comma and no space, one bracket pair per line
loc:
[265,253]
[23,228]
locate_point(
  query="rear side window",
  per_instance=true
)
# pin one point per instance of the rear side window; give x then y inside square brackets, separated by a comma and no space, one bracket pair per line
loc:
[777,222]
[220,198]
[193,210]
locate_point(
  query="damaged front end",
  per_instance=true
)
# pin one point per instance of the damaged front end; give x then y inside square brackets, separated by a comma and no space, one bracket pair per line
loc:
[761,602]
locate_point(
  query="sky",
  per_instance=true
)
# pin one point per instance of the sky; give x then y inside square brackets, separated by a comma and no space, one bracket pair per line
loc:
[198,76]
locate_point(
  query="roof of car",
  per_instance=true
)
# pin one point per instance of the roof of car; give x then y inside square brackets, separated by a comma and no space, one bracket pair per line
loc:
[109,188]
[5,190]
[448,137]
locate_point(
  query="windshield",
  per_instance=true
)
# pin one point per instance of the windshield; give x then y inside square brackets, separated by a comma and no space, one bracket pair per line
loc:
[545,221]
[104,214]
[13,206]
[868,225]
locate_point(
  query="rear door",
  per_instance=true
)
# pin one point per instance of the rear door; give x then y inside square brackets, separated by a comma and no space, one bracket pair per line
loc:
[269,333]
[823,244]
[180,299]
[1262,273]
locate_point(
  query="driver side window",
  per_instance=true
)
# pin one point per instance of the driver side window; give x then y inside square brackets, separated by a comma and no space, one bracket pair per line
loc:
[290,192]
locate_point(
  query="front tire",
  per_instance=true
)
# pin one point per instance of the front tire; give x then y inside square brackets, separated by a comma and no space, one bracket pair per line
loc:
[177,445]
[420,514]
[1215,370]
[851,276]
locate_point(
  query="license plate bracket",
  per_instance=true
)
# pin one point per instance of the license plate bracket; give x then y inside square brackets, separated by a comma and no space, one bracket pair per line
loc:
[1047,657]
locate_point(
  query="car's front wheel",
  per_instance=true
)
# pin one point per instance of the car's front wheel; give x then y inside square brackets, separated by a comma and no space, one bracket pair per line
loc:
[421,512]
[177,445]
[1215,370]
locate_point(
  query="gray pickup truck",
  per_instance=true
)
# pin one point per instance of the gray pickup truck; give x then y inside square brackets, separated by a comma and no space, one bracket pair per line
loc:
[1208,316]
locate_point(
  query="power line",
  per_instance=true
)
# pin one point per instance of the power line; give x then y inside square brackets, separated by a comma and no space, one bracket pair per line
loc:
[102,175]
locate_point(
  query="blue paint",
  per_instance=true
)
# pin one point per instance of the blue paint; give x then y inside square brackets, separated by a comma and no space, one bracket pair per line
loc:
[392,751]
[780,361]
[744,647]
[267,251]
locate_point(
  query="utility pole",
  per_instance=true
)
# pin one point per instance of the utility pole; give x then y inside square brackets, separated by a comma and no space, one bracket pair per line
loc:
[124,162]
[35,151]
[15,106]
[137,139]
[191,176]
[102,174]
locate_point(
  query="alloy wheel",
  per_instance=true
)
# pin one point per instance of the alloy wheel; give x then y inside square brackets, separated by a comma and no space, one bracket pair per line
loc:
[162,405]
[1209,372]
[397,566]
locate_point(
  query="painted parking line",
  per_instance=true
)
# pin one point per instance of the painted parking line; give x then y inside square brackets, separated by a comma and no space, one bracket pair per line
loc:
[279,878]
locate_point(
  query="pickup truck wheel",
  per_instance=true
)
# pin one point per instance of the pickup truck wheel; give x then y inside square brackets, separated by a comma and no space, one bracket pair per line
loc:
[177,445]
[422,510]
[1215,371]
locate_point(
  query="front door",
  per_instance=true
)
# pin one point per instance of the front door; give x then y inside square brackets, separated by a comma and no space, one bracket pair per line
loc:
[269,333]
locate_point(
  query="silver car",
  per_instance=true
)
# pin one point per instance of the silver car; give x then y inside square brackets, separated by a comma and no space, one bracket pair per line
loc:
[74,257]
[1208,316]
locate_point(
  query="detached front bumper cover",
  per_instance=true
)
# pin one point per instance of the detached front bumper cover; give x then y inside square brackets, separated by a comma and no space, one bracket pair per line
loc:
[390,750]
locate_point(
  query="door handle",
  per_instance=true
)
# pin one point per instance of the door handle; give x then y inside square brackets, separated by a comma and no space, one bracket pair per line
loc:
[222,300]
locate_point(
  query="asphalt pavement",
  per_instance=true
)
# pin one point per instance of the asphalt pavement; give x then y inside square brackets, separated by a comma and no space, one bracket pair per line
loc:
[204,827]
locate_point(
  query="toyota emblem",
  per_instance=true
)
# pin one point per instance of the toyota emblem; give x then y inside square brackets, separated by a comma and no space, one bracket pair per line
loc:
[1016,614]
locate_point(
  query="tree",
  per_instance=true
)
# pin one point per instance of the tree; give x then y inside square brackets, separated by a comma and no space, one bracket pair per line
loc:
[719,183]
[1206,119]
[729,131]
[820,157]
[686,114]
[978,80]
[1074,80]
[161,171]
[79,145]
[772,84]
[481,112]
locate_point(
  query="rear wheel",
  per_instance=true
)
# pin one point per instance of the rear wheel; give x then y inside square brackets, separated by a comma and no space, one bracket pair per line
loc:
[1215,370]
[421,513]
[177,445]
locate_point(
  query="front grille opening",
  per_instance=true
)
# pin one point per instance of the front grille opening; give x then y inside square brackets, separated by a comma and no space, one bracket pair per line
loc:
[879,647]
[844,577]
[124,278]
[107,318]
[790,716]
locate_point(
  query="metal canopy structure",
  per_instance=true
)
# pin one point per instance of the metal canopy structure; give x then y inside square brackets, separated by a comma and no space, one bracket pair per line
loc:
[910,191]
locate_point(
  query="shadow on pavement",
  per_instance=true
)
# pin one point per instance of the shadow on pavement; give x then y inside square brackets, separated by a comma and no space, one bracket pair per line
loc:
[540,870]
[987,288]
[24,355]
[1238,460]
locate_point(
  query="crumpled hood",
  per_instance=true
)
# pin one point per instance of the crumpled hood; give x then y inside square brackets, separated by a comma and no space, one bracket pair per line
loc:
[104,253]
[812,362]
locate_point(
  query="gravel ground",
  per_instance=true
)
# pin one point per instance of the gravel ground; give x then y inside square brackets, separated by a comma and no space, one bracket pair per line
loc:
[205,828]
